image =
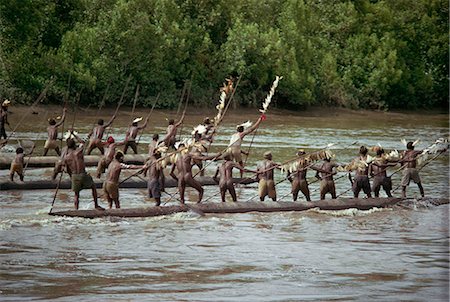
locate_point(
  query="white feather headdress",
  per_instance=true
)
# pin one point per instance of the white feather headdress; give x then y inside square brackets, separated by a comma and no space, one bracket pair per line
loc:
[404,142]
[201,129]
[245,124]
[69,134]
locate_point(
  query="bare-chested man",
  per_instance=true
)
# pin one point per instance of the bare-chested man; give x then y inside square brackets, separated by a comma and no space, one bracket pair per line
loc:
[74,160]
[409,161]
[4,118]
[96,135]
[377,170]
[298,181]
[156,178]
[171,132]
[361,180]
[266,186]
[210,130]
[225,173]
[59,165]
[130,137]
[184,166]
[325,174]
[153,145]
[234,146]
[106,159]
[199,146]
[111,184]
[52,131]
[17,164]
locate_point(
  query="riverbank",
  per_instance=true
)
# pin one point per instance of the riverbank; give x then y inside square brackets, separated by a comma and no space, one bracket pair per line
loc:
[326,116]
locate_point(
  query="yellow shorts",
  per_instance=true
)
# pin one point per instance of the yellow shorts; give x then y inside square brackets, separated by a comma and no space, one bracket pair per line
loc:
[235,154]
[267,188]
[51,144]
[111,189]
[15,167]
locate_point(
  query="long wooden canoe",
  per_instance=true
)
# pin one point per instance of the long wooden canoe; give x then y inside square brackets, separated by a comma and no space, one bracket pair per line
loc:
[49,161]
[244,207]
[132,183]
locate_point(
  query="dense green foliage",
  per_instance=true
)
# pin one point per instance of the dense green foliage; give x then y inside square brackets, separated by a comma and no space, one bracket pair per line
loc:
[359,54]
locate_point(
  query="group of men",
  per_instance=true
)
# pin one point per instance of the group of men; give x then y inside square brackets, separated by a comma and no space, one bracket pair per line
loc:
[187,155]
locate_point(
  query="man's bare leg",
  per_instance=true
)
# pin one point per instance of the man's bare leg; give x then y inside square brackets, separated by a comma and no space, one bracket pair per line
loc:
[422,193]
[403,191]
[77,200]
[181,189]
[117,202]
[232,192]
[94,195]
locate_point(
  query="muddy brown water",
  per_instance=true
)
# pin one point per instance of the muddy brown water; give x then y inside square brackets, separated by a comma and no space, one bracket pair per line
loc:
[398,254]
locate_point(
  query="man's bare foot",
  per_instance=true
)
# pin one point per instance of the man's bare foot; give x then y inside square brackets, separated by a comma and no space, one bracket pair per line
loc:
[97,207]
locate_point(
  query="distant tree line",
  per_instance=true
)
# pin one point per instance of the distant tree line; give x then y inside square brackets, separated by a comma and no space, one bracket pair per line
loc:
[356,54]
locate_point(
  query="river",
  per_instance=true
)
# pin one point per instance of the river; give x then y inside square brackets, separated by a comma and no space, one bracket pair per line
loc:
[395,254]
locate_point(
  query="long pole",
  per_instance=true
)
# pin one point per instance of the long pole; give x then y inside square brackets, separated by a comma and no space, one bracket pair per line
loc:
[66,97]
[39,99]
[102,102]
[56,191]
[120,101]
[185,106]
[136,95]
[182,97]
[148,116]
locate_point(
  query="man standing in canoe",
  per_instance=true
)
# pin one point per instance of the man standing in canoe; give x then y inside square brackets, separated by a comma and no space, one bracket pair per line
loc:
[52,131]
[106,159]
[361,181]
[225,172]
[409,161]
[266,186]
[96,135]
[298,180]
[234,146]
[111,184]
[171,132]
[130,137]
[377,170]
[4,118]
[183,164]
[17,165]
[153,145]
[325,175]
[74,160]
[156,178]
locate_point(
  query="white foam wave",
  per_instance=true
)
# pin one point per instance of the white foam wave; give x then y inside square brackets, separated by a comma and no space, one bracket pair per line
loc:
[349,212]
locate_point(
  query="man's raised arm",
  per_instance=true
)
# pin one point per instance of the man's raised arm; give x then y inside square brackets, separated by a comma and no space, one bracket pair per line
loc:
[62,118]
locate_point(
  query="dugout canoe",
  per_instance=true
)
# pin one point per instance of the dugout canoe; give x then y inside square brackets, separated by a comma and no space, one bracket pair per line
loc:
[132,183]
[245,207]
[49,161]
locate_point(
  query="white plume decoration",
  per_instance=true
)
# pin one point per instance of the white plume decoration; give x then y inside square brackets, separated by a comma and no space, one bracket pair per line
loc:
[245,124]
[201,129]
[404,142]
[268,99]
[70,134]
[224,91]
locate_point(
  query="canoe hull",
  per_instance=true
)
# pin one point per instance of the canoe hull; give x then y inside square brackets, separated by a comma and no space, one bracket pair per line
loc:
[245,207]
